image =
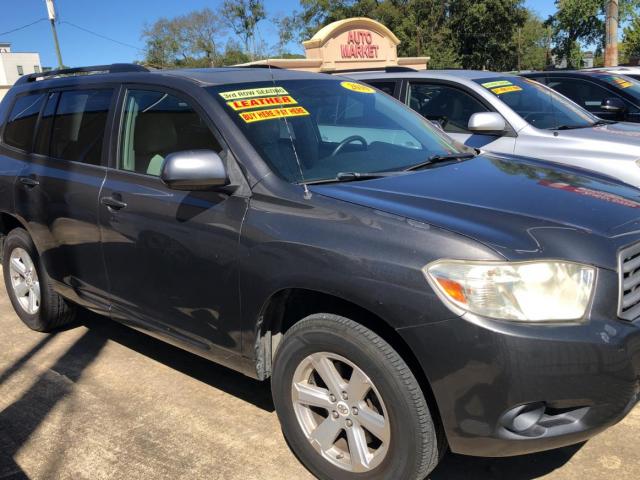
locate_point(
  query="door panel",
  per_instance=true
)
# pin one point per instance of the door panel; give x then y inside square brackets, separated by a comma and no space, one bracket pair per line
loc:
[58,197]
[171,256]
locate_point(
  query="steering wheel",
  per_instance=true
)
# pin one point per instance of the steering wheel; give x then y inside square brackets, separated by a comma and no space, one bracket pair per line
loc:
[347,141]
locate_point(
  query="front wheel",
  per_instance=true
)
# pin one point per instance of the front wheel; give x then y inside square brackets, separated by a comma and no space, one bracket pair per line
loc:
[29,287]
[349,405]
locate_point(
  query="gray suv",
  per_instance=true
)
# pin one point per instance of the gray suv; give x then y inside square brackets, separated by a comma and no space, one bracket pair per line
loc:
[402,296]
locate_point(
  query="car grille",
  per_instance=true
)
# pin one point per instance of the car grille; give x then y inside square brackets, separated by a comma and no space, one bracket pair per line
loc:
[629,271]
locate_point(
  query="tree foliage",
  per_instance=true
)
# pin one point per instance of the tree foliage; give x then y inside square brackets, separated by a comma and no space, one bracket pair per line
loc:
[243,17]
[631,40]
[190,40]
[582,22]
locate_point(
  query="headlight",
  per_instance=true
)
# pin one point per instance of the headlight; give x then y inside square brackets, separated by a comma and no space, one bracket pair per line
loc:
[525,291]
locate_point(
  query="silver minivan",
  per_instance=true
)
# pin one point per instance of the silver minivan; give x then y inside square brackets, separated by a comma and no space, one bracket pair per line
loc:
[506,113]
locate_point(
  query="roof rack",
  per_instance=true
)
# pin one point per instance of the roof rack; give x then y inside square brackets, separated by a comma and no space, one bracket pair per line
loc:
[258,65]
[113,68]
[390,69]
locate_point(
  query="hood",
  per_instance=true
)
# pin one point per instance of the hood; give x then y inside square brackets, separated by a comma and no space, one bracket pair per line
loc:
[618,133]
[522,208]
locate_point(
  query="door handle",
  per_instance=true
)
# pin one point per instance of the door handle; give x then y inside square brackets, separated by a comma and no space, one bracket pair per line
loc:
[29,182]
[113,203]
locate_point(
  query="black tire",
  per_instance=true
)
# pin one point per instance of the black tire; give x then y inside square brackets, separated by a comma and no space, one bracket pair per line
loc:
[54,311]
[415,445]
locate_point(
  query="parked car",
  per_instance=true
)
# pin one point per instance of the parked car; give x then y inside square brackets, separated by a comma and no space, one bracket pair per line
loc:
[628,71]
[509,114]
[605,94]
[402,295]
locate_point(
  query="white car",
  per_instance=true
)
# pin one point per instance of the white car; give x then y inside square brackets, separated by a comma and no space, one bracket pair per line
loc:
[505,113]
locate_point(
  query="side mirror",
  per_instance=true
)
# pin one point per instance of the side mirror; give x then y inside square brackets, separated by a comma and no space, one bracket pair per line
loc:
[489,123]
[613,105]
[194,170]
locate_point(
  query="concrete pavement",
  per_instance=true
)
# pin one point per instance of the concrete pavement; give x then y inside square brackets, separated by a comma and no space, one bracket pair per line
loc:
[101,401]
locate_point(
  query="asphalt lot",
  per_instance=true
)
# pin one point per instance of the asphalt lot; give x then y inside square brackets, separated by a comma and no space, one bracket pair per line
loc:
[101,401]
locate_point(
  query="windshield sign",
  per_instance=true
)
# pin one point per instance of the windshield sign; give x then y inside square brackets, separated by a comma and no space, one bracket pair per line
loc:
[331,127]
[538,105]
[628,84]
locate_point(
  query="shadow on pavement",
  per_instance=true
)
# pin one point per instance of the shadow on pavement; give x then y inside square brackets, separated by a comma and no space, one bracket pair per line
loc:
[234,383]
[23,417]
[524,467]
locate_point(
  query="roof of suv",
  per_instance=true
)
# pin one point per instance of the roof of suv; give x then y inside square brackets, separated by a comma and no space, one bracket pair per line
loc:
[203,76]
[441,74]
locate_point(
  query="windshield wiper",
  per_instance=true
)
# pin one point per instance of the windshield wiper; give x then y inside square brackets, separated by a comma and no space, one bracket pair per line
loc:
[355,176]
[570,127]
[433,159]
[602,121]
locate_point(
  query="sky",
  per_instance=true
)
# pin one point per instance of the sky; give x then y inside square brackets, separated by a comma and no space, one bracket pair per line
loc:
[121,21]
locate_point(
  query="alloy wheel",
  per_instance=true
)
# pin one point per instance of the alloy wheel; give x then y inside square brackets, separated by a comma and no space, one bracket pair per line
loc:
[24,281]
[341,412]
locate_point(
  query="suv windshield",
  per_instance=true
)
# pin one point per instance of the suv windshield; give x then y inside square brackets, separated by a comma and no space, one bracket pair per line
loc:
[538,105]
[626,83]
[336,126]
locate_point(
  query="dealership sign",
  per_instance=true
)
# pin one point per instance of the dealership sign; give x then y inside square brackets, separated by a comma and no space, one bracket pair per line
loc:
[359,44]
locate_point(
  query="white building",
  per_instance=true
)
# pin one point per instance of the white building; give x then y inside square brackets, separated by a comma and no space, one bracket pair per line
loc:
[15,64]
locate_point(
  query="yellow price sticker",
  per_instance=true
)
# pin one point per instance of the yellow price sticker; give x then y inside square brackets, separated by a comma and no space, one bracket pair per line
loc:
[261,102]
[511,88]
[272,113]
[357,87]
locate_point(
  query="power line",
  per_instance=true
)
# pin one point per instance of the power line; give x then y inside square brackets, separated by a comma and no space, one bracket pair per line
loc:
[23,27]
[101,36]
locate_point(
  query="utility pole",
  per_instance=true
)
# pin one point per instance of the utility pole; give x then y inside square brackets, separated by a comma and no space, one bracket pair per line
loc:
[611,40]
[52,18]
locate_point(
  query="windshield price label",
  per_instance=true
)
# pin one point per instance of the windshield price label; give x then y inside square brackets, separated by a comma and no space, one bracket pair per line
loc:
[498,83]
[253,92]
[510,88]
[262,102]
[357,87]
[270,114]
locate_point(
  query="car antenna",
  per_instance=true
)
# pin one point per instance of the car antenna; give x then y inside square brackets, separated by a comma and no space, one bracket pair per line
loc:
[307,192]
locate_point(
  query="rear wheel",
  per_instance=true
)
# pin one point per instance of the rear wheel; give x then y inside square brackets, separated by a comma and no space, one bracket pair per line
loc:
[29,287]
[349,405]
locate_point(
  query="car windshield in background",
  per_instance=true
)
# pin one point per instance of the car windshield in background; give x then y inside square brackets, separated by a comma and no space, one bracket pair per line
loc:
[538,105]
[623,82]
[337,126]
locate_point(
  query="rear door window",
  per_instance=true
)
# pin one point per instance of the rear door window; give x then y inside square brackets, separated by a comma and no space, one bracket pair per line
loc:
[387,87]
[448,106]
[22,120]
[586,94]
[78,127]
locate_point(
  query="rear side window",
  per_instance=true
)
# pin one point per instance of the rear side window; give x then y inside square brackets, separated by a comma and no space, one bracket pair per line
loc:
[386,87]
[77,130]
[450,107]
[22,121]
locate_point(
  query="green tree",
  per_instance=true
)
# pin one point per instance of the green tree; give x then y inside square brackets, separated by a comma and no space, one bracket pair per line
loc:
[631,40]
[580,22]
[243,17]
[532,42]
[483,32]
[189,40]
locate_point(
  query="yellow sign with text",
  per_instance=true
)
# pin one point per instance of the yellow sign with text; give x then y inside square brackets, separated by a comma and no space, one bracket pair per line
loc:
[511,88]
[261,102]
[497,83]
[253,92]
[272,113]
[357,87]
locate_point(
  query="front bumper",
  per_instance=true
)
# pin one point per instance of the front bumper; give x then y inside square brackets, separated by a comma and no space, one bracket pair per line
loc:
[571,381]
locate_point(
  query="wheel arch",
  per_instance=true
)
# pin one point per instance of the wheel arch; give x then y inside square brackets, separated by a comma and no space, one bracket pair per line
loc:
[288,306]
[8,222]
